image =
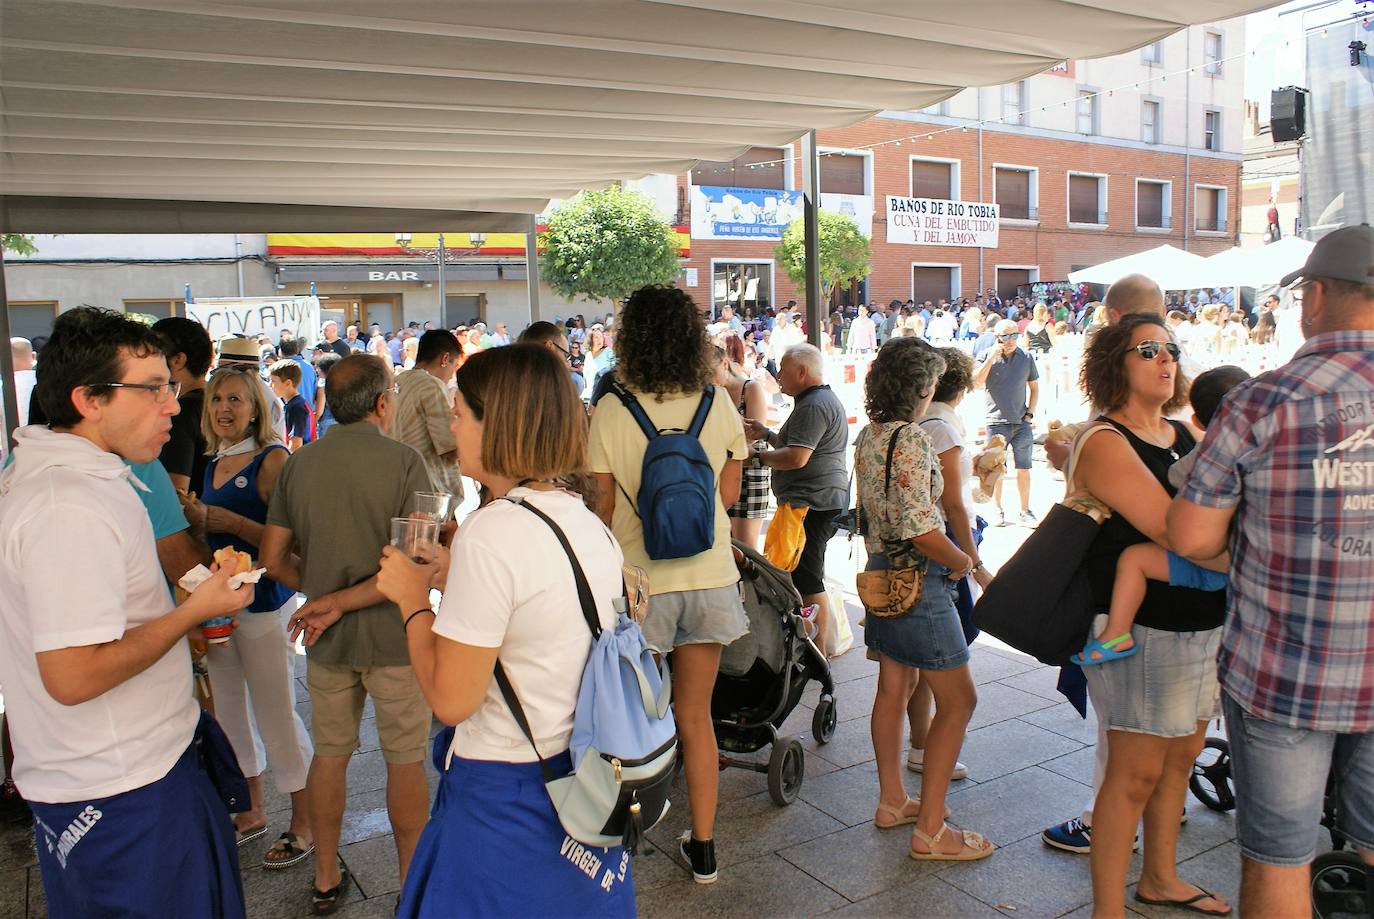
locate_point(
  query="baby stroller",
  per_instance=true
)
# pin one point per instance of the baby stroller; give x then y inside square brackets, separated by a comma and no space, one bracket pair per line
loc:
[1342,885]
[762,677]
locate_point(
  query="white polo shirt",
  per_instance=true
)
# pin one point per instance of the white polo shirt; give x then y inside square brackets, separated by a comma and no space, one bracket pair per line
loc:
[79,567]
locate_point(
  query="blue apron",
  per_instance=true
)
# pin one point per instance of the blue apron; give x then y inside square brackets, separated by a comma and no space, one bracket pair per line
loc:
[494,847]
[166,849]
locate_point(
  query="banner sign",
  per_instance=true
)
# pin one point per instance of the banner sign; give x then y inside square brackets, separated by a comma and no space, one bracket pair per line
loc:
[721,212]
[937,222]
[253,316]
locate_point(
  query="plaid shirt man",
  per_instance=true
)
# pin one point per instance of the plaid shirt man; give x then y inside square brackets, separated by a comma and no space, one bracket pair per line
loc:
[1293,452]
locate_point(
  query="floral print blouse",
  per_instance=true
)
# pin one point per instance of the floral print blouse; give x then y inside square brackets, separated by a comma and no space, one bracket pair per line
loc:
[910,507]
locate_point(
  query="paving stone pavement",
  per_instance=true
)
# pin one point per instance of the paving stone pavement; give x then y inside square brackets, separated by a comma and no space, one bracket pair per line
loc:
[1030,764]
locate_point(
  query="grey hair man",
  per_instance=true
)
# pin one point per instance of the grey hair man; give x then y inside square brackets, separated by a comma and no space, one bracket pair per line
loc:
[21,350]
[1012,382]
[356,645]
[809,465]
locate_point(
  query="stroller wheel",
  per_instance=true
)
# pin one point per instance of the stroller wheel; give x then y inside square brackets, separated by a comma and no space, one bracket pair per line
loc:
[1211,778]
[1338,886]
[825,719]
[786,769]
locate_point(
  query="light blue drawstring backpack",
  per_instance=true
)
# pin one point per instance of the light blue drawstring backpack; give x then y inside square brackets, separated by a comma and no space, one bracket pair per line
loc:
[624,740]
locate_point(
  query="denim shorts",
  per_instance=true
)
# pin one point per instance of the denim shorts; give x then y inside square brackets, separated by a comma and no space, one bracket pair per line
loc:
[1280,776]
[1185,573]
[930,637]
[1020,438]
[714,615]
[1164,689]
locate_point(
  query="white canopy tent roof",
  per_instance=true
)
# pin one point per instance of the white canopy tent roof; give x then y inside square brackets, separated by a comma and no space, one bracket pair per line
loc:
[484,106]
[1170,268]
[1261,266]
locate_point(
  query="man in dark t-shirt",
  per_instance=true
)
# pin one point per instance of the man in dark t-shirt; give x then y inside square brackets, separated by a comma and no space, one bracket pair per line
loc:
[189,353]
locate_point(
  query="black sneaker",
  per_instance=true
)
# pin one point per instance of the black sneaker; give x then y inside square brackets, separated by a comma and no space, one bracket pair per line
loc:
[701,856]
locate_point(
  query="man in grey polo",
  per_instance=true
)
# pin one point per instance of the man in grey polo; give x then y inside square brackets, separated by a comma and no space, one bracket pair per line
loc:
[1008,374]
[809,467]
[355,639]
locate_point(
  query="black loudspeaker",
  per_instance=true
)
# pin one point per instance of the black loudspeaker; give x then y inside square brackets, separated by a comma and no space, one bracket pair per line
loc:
[1288,113]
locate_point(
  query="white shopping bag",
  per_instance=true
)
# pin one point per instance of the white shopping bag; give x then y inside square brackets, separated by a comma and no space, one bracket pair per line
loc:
[839,635]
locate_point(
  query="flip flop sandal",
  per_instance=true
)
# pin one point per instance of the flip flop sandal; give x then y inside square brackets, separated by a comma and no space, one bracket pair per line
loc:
[1099,652]
[899,815]
[973,846]
[289,844]
[242,839]
[1204,894]
[325,902]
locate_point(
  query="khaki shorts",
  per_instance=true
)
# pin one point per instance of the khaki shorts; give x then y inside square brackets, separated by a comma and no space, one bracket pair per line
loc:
[337,693]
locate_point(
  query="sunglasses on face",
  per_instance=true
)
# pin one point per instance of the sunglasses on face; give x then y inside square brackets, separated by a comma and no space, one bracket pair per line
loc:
[1006,337]
[1150,349]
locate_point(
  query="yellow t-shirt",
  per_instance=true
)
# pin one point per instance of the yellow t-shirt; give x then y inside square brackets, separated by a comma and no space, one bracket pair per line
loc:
[617,447]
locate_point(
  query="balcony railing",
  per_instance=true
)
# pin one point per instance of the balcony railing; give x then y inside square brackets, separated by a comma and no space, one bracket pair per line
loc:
[1098,219]
[1019,212]
[1161,223]
[1211,226]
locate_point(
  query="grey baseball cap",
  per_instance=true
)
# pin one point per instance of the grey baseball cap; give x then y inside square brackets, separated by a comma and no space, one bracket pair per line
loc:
[1346,254]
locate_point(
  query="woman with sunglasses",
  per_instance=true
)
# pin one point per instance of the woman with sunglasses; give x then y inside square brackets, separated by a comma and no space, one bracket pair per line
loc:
[1155,704]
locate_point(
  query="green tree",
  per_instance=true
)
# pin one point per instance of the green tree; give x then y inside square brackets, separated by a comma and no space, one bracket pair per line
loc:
[606,244]
[844,252]
[14,242]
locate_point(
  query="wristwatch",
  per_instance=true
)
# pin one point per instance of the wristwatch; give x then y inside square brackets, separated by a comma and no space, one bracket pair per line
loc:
[1030,415]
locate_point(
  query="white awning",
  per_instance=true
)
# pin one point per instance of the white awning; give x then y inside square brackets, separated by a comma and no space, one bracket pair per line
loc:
[1167,266]
[1260,266]
[488,105]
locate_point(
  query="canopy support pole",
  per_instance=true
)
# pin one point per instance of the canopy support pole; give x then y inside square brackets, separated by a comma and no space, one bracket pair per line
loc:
[11,402]
[532,266]
[443,283]
[811,190]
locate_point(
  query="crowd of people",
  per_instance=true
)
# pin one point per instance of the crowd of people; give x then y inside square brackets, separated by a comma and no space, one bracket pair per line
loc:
[1234,570]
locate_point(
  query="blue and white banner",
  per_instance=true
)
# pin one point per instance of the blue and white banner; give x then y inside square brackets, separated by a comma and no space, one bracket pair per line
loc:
[726,212]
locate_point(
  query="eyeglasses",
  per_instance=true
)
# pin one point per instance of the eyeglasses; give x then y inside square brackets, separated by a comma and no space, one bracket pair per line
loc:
[1150,349]
[1300,290]
[161,391]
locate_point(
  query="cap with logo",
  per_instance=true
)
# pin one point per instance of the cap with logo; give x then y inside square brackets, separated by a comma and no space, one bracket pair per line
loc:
[233,348]
[1346,254]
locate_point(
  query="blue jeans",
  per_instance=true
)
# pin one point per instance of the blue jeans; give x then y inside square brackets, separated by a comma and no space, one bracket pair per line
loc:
[1280,775]
[1020,439]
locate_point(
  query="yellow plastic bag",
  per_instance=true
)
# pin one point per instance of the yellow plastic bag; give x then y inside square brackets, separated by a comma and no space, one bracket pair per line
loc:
[786,538]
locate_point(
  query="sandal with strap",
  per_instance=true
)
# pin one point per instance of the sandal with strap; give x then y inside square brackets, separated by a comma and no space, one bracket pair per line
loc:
[288,844]
[974,846]
[899,815]
[1099,652]
[325,902]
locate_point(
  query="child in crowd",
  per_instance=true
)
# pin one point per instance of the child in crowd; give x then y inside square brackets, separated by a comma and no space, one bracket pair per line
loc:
[1147,561]
[286,381]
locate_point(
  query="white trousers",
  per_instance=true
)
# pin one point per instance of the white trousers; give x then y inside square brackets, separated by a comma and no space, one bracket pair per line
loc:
[255,668]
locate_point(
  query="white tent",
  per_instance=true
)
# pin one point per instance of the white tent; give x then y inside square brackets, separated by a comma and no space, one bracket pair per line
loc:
[1167,266]
[1261,266]
[482,105]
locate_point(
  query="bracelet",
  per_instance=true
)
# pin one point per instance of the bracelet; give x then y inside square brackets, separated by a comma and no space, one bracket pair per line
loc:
[406,627]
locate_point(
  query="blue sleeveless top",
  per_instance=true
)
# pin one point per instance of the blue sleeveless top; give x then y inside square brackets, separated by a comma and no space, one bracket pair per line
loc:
[240,495]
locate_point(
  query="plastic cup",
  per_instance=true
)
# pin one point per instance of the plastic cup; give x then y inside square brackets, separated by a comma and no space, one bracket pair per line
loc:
[434,506]
[216,631]
[417,537]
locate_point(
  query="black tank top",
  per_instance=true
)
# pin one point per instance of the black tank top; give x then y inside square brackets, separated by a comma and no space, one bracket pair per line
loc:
[1169,609]
[1039,341]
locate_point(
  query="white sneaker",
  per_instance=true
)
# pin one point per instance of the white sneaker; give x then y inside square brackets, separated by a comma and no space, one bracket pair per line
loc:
[1001,520]
[915,761]
[1027,519]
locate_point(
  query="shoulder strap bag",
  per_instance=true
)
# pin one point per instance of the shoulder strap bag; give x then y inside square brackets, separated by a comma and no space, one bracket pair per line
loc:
[891,592]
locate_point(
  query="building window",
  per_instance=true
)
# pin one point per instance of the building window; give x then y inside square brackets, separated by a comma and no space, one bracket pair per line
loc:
[1149,122]
[746,286]
[1211,131]
[1209,208]
[1087,111]
[1153,203]
[758,167]
[1153,53]
[158,309]
[1011,280]
[1014,191]
[1087,199]
[1211,53]
[32,318]
[934,179]
[1014,102]
[934,283]
[940,108]
[844,174]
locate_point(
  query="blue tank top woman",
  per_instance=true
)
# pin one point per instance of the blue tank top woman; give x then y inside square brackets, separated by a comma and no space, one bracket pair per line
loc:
[240,495]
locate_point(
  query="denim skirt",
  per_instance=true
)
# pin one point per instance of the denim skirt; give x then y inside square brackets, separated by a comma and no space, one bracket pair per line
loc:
[930,636]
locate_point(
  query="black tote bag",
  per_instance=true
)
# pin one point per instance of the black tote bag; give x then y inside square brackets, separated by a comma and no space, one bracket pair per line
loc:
[1040,602]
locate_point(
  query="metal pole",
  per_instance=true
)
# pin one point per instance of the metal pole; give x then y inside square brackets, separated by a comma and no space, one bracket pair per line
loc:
[811,190]
[532,265]
[1187,134]
[11,399]
[238,261]
[443,284]
[959,194]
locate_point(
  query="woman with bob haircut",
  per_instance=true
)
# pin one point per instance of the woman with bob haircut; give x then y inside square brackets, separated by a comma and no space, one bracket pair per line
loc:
[904,528]
[1156,703]
[665,363]
[494,844]
[258,662]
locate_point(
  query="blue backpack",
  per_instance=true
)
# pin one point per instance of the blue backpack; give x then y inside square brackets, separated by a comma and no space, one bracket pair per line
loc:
[677,486]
